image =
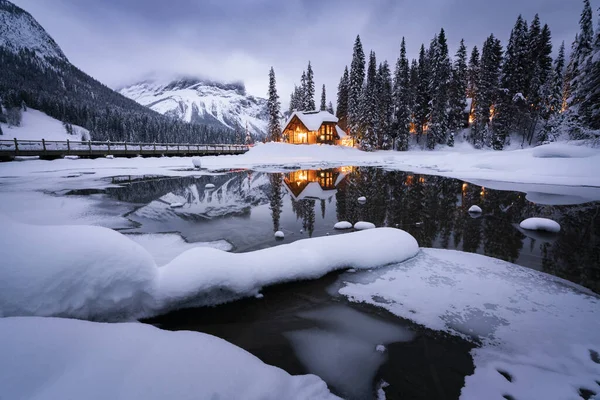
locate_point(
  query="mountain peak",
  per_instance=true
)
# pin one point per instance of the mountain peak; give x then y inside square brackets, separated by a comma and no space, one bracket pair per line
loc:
[20,31]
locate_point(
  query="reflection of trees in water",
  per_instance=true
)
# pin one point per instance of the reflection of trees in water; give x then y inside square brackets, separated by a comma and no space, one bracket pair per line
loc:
[434,210]
[276,199]
[305,211]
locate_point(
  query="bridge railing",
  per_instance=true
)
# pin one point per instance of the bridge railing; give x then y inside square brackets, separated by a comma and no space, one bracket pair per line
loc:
[68,146]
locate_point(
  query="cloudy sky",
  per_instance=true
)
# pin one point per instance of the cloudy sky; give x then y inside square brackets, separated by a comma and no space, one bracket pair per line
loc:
[123,41]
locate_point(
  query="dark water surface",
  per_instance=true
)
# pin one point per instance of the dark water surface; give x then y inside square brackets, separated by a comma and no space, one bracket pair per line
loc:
[302,327]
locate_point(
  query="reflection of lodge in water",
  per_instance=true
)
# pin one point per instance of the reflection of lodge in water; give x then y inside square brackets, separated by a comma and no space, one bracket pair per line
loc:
[315,184]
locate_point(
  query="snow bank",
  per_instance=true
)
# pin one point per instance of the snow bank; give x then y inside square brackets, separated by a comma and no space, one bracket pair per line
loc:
[53,358]
[279,235]
[475,209]
[96,273]
[540,224]
[35,125]
[82,272]
[362,225]
[207,276]
[563,150]
[342,225]
[540,330]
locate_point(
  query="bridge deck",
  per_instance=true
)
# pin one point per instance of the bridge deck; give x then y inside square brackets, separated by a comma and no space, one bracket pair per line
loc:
[57,149]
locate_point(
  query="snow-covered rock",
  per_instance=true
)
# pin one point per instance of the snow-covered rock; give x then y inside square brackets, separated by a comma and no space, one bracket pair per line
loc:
[540,224]
[540,330]
[362,225]
[209,186]
[195,100]
[197,162]
[54,358]
[176,205]
[342,225]
[475,209]
[362,199]
[96,273]
[279,235]
[380,348]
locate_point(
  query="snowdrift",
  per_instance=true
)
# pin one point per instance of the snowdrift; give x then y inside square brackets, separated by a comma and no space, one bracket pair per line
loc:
[96,273]
[54,358]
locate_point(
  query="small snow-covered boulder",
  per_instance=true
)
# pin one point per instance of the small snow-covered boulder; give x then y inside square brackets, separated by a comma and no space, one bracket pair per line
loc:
[362,199]
[209,186]
[475,209]
[176,205]
[342,225]
[110,156]
[279,235]
[540,224]
[362,225]
[197,163]
[380,348]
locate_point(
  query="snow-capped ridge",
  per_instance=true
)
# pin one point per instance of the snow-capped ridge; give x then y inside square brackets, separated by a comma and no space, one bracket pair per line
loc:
[190,99]
[20,31]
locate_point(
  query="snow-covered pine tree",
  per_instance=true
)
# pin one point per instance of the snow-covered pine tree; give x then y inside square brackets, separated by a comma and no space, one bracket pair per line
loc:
[295,100]
[369,109]
[458,92]
[557,80]
[511,107]
[402,100]
[590,105]
[439,87]
[473,72]
[309,100]
[385,106]
[414,85]
[330,108]
[274,109]
[582,48]
[323,106]
[342,100]
[422,95]
[303,98]
[554,99]
[540,84]
[487,90]
[357,78]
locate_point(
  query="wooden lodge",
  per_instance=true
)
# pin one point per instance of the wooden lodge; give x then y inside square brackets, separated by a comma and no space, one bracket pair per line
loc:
[314,127]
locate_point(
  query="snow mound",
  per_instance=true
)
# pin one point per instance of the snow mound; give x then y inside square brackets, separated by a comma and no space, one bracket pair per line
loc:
[362,199]
[475,209]
[362,225]
[209,186]
[206,276]
[85,272]
[197,162]
[96,273]
[342,225]
[540,224]
[563,150]
[279,235]
[538,329]
[54,358]
[176,205]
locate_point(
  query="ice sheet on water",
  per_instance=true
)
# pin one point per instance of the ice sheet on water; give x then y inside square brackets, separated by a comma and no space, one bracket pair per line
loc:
[539,329]
[343,350]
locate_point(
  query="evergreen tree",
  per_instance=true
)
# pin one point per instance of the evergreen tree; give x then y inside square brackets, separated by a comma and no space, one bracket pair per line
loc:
[487,90]
[309,99]
[473,73]
[342,101]
[541,83]
[422,95]
[590,105]
[274,109]
[582,48]
[303,98]
[369,109]
[439,88]
[557,80]
[402,100]
[330,108]
[355,89]
[323,106]
[458,92]
[385,105]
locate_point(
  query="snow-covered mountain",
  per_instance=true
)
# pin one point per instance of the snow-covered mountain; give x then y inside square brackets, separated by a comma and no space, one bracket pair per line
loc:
[202,101]
[19,30]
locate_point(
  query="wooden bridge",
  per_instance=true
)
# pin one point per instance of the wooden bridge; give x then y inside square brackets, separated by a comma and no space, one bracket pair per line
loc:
[50,150]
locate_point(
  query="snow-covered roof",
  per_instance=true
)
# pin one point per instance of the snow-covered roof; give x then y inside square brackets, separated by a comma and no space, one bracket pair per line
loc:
[340,132]
[312,119]
[314,191]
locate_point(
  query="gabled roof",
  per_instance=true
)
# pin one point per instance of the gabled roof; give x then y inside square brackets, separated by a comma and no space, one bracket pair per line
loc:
[312,119]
